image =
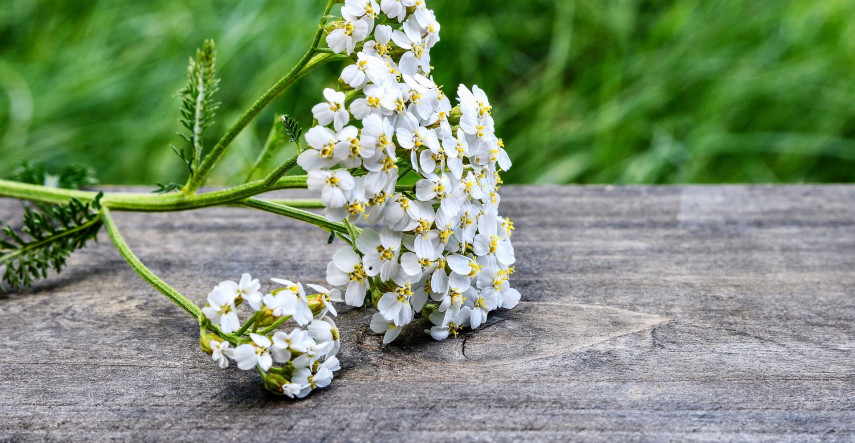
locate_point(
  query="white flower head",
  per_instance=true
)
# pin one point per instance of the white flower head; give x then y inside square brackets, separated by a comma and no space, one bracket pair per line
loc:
[248,355]
[221,308]
[367,67]
[349,32]
[335,186]
[219,351]
[396,9]
[332,111]
[380,325]
[346,268]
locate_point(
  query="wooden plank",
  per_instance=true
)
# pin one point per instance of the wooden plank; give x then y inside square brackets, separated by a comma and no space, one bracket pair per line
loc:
[702,312]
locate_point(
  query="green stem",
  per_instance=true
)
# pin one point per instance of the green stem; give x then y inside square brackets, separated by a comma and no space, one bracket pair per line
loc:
[246,325]
[143,271]
[309,62]
[352,232]
[295,213]
[299,203]
[281,170]
[26,191]
[127,201]
[275,325]
[153,280]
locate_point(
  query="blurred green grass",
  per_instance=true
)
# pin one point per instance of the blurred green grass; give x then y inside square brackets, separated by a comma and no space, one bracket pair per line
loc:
[585,91]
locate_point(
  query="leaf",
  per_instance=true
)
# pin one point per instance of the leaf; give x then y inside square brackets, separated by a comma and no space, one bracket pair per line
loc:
[70,177]
[293,128]
[197,104]
[48,236]
[166,188]
[76,177]
[30,172]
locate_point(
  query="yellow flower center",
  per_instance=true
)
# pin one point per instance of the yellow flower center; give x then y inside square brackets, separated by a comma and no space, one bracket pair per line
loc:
[404,293]
[327,151]
[494,243]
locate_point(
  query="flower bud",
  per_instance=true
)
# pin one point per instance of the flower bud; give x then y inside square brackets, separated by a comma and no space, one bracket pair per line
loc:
[316,303]
[429,309]
[205,342]
[265,318]
[273,382]
[343,86]
[376,294]
[454,115]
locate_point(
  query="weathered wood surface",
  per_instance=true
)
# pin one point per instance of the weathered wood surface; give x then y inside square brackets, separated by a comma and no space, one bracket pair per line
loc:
[648,313]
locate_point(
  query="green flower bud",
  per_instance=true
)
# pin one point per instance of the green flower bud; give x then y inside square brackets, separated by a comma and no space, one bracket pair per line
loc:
[454,115]
[429,309]
[273,382]
[205,342]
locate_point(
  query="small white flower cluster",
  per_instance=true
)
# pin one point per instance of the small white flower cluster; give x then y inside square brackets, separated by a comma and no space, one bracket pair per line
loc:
[307,353]
[442,241]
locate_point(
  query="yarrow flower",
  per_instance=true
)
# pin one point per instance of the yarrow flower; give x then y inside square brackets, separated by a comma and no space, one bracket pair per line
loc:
[440,249]
[292,363]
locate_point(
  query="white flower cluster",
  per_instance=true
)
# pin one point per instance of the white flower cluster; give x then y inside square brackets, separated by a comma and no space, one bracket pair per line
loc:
[442,242]
[307,353]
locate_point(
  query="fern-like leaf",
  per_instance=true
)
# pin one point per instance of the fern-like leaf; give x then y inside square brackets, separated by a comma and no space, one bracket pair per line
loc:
[70,177]
[46,239]
[293,129]
[166,188]
[197,103]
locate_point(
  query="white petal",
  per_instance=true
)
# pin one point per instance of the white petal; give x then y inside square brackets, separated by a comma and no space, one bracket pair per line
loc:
[355,295]
[336,276]
[367,241]
[510,298]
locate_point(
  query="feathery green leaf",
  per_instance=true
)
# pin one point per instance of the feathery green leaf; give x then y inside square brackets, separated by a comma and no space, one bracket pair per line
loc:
[197,103]
[70,177]
[46,239]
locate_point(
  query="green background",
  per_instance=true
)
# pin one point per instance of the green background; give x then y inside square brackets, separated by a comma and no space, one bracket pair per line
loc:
[586,91]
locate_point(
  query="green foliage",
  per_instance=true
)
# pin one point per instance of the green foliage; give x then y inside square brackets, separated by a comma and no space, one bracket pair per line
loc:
[197,103]
[166,188]
[292,128]
[583,91]
[70,177]
[48,236]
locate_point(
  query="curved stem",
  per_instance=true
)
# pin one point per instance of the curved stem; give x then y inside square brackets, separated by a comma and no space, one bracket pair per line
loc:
[295,213]
[309,62]
[143,271]
[275,325]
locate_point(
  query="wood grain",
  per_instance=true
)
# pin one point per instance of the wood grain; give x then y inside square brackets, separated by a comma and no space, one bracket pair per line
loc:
[648,313]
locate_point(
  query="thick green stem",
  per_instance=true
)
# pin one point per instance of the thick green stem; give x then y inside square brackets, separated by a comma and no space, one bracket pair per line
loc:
[25,191]
[127,201]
